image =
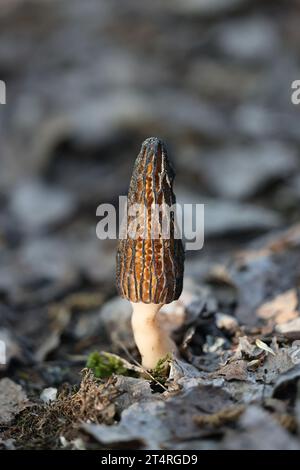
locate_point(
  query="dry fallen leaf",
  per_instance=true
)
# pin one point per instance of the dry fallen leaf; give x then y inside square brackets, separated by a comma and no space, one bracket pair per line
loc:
[282,308]
[12,400]
[157,423]
[246,350]
[253,365]
[258,430]
[260,344]
[236,370]
[274,365]
[226,322]
[290,329]
[279,244]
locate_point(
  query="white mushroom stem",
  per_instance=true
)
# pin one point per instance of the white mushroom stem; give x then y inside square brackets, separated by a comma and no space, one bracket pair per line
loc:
[151,339]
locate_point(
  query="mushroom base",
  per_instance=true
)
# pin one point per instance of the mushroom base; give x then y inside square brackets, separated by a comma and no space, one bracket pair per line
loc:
[152,341]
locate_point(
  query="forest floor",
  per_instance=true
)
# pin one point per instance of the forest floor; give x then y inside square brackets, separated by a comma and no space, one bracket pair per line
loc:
[87,82]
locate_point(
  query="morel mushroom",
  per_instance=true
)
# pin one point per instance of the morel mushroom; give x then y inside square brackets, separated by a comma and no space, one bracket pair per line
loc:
[150,259]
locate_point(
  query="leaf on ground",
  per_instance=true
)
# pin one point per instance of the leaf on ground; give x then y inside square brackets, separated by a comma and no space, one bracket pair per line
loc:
[281,309]
[12,400]
[182,371]
[273,366]
[290,329]
[256,277]
[257,430]
[226,322]
[235,370]
[131,390]
[246,350]
[159,423]
[260,344]
[286,384]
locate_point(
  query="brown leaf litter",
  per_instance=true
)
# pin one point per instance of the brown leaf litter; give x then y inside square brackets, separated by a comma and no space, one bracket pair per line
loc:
[41,426]
[236,370]
[281,309]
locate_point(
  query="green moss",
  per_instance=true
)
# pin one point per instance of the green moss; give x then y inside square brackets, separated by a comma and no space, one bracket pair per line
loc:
[105,364]
[162,369]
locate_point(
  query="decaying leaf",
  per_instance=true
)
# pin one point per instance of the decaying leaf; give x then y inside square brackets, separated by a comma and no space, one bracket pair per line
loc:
[67,145]
[253,365]
[253,277]
[246,350]
[182,370]
[282,308]
[258,430]
[286,383]
[12,400]
[290,329]
[260,344]
[131,390]
[274,365]
[235,370]
[226,322]
[158,423]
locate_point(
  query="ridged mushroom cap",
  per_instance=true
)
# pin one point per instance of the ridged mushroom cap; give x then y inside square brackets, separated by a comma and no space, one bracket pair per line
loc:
[150,265]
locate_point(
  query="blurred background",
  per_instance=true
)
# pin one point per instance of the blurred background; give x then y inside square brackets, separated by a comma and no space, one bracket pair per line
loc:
[87,82]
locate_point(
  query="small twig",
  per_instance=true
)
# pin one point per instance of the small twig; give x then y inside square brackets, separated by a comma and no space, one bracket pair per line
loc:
[130,356]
